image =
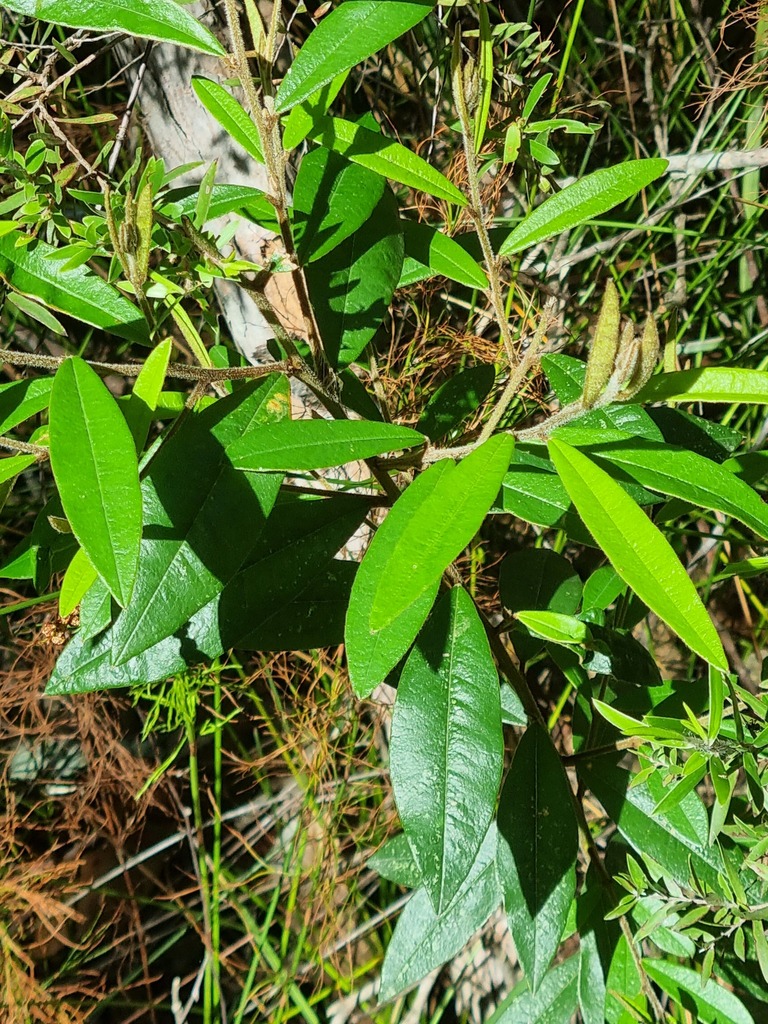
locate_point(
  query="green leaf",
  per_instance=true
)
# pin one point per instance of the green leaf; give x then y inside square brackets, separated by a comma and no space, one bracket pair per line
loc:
[538,848]
[591,979]
[554,626]
[553,1003]
[316,444]
[538,579]
[539,497]
[708,384]
[22,399]
[384,156]
[677,840]
[624,979]
[12,465]
[582,201]
[430,253]
[638,551]
[346,36]
[447,751]
[94,464]
[141,406]
[295,553]
[714,1003]
[78,578]
[352,286]
[350,195]
[236,122]
[394,861]
[602,588]
[686,475]
[424,940]
[566,376]
[251,202]
[164,20]
[456,400]
[34,270]
[187,557]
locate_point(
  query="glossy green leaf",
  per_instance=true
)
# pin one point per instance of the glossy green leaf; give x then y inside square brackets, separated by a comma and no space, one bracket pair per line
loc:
[584,200]
[591,979]
[677,840]
[566,375]
[554,1002]
[317,444]
[602,588]
[394,861]
[616,653]
[164,20]
[33,270]
[708,384]
[12,465]
[624,979]
[352,286]
[446,750]
[78,578]
[233,118]
[351,194]
[538,579]
[538,848]
[424,940]
[251,202]
[386,157]
[35,310]
[21,399]
[430,252]
[347,35]
[638,551]
[456,400]
[95,611]
[554,626]
[94,464]
[539,497]
[686,475]
[295,552]
[714,1003]
[187,557]
[141,406]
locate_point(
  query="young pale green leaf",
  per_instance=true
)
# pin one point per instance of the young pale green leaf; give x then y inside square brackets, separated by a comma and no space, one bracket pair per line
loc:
[186,557]
[686,475]
[554,1002]
[347,35]
[295,552]
[456,400]
[164,20]
[222,105]
[12,465]
[317,444]
[94,464]
[382,155]
[21,399]
[440,529]
[352,286]
[447,750]
[584,200]
[423,940]
[33,270]
[538,848]
[677,840]
[429,249]
[714,1003]
[638,551]
[351,194]
[708,384]
[78,578]
[554,626]
[141,406]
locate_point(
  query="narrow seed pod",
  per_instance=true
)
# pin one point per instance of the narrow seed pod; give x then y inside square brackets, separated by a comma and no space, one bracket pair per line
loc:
[649,356]
[605,343]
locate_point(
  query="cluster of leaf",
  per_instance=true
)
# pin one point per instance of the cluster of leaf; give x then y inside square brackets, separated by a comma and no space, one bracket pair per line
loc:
[211,536]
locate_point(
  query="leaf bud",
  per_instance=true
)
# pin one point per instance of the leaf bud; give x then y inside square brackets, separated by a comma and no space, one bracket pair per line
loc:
[605,343]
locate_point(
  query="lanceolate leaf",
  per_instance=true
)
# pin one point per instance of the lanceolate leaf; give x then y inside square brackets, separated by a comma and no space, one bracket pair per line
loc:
[351,287]
[235,121]
[424,940]
[709,384]
[33,270]
[252,202]
[714,1003]
[538,847]
[554,1002]
[146,392]
[351,194]
[316,444]
[440,254]
[78,578]
[164,20]
[21,399]
[188,554]
[639,553]
[351,32]
[686,475]
[584,200]
[447,751]
[94,463]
